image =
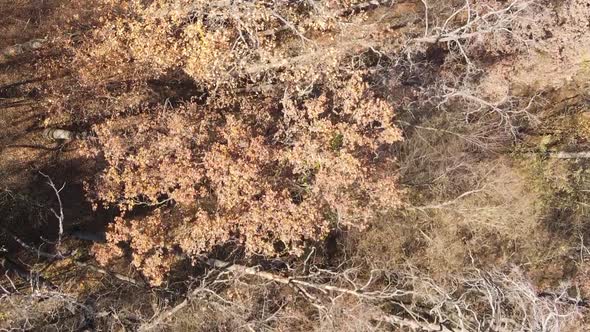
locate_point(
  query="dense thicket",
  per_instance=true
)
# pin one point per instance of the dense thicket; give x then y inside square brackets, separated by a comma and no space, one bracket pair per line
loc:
[407,164]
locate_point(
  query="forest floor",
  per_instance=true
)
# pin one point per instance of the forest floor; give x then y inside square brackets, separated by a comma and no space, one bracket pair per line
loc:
[475,196]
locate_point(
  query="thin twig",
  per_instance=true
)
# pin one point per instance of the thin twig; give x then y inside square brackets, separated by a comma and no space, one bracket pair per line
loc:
[425,18]
[110,273]
[60,216]
[23,244]
[292,27]
[447,203]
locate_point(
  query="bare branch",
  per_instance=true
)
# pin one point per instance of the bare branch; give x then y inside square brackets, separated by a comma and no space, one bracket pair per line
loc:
[447,203]
[60,215]
[425,18]
[507,110]
[292,27]
[25,245]
[571,155]
[494,21]
[109,273]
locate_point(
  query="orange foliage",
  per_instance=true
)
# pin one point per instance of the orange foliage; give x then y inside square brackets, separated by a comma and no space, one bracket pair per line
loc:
[271,168]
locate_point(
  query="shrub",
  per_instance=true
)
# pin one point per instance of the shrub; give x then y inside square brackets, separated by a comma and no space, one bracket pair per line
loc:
[271,181]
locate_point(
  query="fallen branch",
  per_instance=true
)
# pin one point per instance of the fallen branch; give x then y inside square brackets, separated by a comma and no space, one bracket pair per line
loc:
[61,256]
[109,273]
[557,154]
[570,155]
[34,278]
[412,324]
[23,244]
[447,203]
[162,317]
[302,285]
[240,269]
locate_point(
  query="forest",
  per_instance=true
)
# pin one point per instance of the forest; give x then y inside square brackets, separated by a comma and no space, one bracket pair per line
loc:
[295,165]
